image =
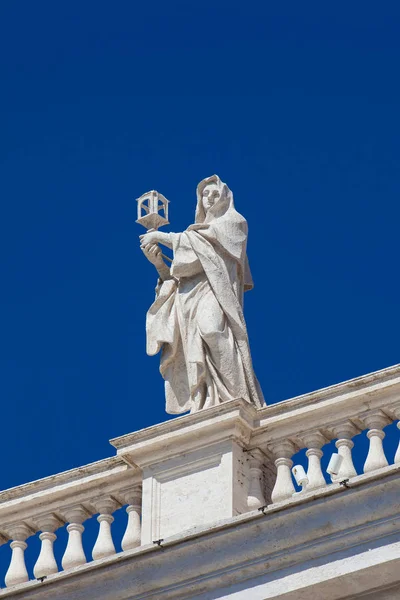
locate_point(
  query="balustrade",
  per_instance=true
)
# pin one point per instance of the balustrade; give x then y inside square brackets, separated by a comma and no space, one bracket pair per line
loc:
[74,554]
[279,432]
[314,441]
[113,474]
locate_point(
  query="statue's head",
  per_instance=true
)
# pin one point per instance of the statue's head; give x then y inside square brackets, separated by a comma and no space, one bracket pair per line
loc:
[213,198]
[210,194]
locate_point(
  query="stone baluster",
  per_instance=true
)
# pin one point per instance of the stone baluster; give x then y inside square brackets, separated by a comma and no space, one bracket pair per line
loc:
[344,432]
[17,572]
[375,421]
[283,488]
[104,545]
[132,535]
[3,540]
[396,414]
[46,563]
[74,554]
[255,497]
[397,455]
[313,441]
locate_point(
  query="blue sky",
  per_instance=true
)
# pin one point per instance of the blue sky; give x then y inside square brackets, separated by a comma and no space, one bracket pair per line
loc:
[295,106]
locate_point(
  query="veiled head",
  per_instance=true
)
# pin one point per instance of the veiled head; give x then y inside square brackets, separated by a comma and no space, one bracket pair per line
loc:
[211,193]
[213,199]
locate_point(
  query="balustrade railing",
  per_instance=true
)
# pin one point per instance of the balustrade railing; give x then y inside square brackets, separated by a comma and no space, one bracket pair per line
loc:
[69,500]
[281,433]
[339,413]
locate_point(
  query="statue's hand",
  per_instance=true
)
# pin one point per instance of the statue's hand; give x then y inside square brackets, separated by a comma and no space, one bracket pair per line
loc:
[153,253]
[149,238]
[154,237]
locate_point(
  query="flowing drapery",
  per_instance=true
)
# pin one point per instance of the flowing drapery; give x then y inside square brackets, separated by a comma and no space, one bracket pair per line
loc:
[197,317]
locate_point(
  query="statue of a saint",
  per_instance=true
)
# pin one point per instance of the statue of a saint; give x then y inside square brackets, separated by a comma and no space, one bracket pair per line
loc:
[197,317]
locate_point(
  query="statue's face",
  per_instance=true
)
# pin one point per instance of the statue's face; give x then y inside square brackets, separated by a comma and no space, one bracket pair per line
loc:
[210,196]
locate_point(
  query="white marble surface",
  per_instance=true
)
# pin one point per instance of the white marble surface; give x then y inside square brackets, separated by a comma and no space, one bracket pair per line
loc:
[193,490]
[195,474]
[197,317]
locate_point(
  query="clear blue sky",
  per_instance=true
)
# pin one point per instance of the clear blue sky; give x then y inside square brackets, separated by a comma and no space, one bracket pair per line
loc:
[294,105]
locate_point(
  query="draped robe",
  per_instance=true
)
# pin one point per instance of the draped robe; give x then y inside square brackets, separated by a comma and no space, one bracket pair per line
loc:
[197,318]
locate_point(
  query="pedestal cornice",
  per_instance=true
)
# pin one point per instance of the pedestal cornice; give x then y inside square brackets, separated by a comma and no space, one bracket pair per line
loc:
[232,420]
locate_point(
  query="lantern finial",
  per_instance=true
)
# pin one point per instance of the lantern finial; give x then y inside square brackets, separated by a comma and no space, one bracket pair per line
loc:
[150,205]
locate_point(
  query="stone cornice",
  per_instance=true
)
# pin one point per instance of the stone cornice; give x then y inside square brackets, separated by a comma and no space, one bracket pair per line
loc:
[77,485]
[95,468]
[369,384]
[323,408]
[232,420]
[318,410]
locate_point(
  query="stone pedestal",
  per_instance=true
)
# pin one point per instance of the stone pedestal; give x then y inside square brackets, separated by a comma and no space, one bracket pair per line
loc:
[196,468]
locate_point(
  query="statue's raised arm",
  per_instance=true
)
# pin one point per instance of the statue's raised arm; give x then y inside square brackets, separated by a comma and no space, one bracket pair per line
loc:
[197,317]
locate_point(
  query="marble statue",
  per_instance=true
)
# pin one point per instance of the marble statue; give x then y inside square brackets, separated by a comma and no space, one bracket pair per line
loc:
[197,317]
